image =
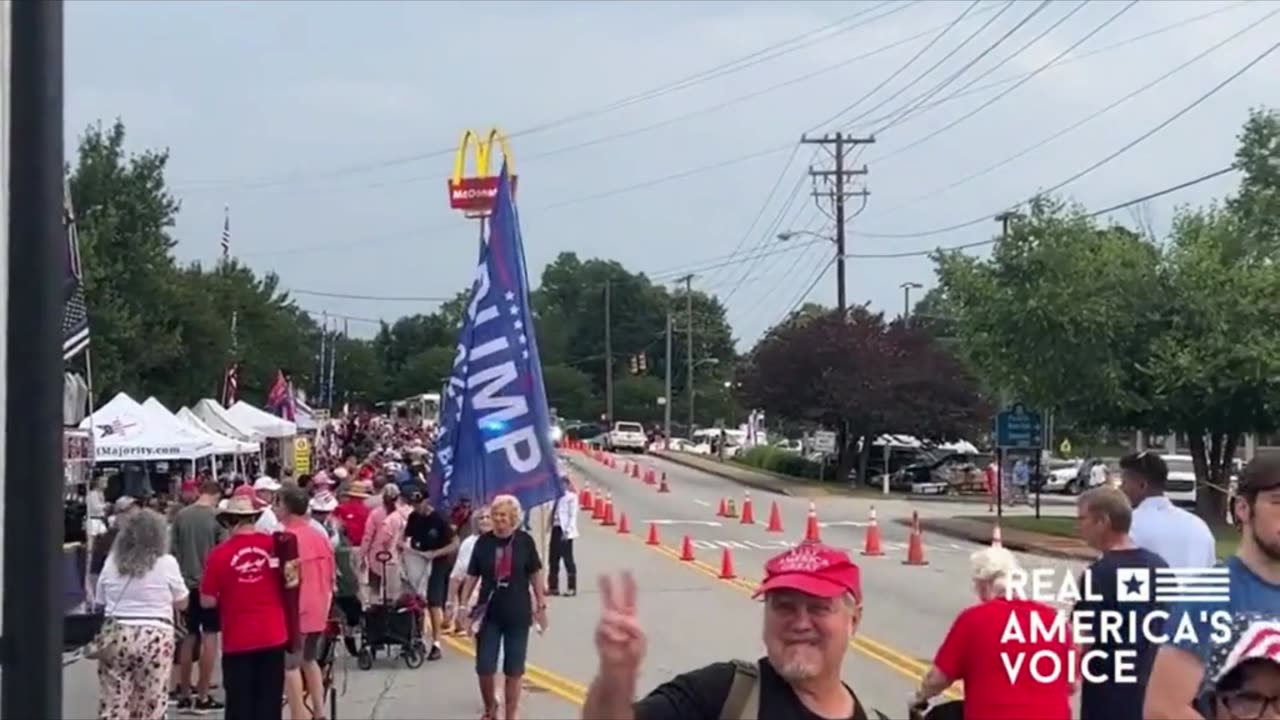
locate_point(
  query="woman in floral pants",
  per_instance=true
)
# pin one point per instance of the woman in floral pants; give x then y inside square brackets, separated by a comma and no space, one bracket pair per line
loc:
[142,590]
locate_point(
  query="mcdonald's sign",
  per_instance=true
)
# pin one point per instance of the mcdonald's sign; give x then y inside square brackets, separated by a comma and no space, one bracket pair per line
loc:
[474,195]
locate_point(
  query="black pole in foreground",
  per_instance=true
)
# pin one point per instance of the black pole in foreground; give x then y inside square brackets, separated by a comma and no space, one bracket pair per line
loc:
[33,519]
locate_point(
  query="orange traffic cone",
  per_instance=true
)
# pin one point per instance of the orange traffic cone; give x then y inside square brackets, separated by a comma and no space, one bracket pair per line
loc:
[775,518]
[635,470]
[613,463]
[871,548]
[584,498]
[748,514]
[686,549]
[731,509]
[597,510]
[811,531]
[662,487]
[724,508]
[995,536]
[726,565]
[624,527]
[608,520]
[653,535]
[648,478]
[915,545]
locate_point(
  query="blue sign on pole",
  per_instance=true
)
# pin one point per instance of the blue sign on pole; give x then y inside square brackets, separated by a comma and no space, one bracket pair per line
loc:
[1019,429]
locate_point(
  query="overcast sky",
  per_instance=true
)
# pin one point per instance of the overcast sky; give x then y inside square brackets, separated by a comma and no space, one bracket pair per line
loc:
[329,128]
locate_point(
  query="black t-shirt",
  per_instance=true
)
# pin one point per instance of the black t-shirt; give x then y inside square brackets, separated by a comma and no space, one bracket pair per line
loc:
[1121,701]
[505,567]
[427,532]
[701,695]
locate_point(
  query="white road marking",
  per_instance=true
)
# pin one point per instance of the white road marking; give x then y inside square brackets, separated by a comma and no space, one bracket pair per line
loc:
[703,503]
[773,545]
[845,523]
[706,523]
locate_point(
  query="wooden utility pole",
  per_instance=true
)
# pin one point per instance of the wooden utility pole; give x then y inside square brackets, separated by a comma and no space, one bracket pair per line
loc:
[688,321]
[608,353]
[666,417]
[837,180]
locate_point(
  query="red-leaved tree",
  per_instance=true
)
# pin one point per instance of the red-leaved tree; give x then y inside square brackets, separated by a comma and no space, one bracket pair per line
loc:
[865,375]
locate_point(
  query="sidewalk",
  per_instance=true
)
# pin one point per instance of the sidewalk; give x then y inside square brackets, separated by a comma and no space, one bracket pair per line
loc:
[978,530]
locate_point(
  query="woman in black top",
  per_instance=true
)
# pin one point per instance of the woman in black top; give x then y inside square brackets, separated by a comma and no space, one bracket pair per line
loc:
[512,598]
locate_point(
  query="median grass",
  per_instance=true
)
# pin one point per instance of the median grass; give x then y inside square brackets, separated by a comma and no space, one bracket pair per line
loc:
[1228,538]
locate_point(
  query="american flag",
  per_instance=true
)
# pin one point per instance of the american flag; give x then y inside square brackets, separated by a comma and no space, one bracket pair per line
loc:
[226,232]
[231,385]
[1199,585]
[75,311]
[280,398]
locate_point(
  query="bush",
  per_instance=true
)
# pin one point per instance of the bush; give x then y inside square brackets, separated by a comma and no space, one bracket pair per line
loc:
[783,462]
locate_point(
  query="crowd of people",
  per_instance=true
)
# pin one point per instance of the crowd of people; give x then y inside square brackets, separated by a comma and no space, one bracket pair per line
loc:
[258,574]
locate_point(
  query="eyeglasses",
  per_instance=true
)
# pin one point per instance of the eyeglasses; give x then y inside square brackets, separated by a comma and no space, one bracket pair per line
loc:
[1249,705]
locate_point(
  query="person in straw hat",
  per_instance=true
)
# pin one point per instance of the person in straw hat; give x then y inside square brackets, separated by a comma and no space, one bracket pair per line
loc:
[242,580]
[353,509]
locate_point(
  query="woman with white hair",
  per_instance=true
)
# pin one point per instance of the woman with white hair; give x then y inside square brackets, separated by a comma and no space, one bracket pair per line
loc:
[141,587]
[505,563]
[992,640]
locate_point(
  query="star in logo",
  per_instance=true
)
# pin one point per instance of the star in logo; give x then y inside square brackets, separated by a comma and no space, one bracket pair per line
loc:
[1133,585]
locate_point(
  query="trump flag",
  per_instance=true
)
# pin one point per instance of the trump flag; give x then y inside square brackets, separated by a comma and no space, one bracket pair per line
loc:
[495,436]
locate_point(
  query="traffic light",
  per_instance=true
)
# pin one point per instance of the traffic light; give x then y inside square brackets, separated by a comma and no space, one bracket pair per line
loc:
[643,363]
[635,365]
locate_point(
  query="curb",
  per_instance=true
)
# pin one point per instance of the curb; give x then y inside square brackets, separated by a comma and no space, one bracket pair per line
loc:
[1012,544]
[713,470]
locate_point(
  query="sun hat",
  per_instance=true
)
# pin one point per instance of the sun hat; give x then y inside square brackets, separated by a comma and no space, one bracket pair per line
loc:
[813,569]
[360,489]
[266,483]
[241,504]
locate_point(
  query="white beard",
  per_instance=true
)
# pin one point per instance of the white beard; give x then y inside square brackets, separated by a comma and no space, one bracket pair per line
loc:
[800,663]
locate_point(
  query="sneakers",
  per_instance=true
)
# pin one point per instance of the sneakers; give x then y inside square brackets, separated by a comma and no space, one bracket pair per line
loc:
[208,704]
[435,653]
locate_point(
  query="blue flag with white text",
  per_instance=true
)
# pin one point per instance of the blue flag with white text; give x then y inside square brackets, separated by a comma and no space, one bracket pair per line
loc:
[495,434]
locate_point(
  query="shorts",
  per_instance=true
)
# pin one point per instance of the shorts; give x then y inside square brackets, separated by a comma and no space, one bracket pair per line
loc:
[438,585]
[310,652]
[428,579]
[200,620]
[509,639]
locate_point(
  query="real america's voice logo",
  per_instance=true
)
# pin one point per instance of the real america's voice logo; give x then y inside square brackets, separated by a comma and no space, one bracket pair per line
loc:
[1101,641]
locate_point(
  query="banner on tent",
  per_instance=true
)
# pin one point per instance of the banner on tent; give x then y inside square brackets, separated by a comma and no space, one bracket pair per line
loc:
[495,432]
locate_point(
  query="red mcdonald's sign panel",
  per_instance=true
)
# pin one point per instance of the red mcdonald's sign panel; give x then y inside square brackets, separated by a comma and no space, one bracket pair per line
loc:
[474,194]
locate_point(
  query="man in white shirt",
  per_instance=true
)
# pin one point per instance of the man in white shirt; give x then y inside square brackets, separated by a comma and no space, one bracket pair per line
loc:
[265,489]
[1098,474]
[564,530]
[1181,538]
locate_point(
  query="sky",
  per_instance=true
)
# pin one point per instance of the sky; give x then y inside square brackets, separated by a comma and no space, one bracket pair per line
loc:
[663,135]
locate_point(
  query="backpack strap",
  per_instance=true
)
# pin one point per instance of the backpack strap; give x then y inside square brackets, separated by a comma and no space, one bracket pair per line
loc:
[743,700]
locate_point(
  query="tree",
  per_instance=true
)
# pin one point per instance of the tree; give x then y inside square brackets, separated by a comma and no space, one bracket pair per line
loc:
[858,372]
[569,392]
[1119,332]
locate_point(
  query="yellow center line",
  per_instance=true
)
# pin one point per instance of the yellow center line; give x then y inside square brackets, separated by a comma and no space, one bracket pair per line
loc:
[553,683]
[901,662]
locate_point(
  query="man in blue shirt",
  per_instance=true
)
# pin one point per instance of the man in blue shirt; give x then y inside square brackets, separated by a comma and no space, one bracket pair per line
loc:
[1179,680]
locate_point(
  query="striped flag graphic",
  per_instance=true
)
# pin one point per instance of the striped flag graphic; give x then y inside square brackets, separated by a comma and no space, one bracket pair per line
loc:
[226,232]
[75,310]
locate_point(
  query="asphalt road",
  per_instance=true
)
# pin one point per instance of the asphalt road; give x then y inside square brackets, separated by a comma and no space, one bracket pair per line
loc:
[907,609]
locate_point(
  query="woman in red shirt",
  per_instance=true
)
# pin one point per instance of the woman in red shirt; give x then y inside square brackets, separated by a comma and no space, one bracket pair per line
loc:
[242,579]
[997,676]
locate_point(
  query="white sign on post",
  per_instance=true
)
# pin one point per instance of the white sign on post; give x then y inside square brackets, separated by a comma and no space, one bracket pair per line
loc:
[824,441]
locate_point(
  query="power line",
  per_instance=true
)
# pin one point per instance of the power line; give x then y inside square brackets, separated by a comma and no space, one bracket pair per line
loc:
[1123,149]
[750,60]
[1007,91]
[1095,214]
[347,296]
[1086,119]
[932,92]
[902,68]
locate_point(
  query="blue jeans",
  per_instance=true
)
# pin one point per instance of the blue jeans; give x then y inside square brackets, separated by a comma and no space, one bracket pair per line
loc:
[509,638]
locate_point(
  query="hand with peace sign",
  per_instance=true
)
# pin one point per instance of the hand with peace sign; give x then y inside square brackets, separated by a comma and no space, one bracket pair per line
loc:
[620,640]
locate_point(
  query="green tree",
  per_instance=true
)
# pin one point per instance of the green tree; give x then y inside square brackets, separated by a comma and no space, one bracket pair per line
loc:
[569,392]
[424,372]
[635,399]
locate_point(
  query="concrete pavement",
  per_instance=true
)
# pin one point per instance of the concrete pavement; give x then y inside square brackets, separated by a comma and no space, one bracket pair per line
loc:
[907,609]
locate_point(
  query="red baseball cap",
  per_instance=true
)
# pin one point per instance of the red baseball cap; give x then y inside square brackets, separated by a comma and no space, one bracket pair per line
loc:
[190,486]
[813,569]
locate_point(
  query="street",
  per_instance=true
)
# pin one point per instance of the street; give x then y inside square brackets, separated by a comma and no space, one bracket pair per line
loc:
[692,616]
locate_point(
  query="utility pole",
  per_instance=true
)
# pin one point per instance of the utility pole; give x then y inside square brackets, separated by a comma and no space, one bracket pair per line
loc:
[608,353]
[33,268]
[666,419]
[839,145]
[688,320]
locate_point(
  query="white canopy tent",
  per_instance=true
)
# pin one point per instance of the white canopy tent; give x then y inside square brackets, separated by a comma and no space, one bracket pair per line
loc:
[123,431]
[261,421]
[217,418]
[237,447]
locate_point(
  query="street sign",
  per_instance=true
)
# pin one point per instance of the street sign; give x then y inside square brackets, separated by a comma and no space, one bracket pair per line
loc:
[824,441]
[1019,429]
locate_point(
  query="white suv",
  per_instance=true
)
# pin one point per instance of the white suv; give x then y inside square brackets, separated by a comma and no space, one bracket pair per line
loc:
[627,436]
